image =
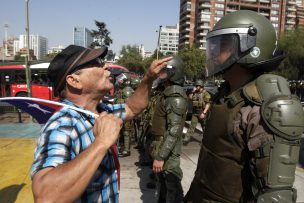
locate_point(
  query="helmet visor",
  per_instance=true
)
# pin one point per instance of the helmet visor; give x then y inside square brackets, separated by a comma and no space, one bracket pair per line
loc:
[222,51]
[227,46]
[167,72]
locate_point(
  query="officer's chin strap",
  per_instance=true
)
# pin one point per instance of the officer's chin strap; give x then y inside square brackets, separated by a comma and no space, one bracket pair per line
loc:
[223,90]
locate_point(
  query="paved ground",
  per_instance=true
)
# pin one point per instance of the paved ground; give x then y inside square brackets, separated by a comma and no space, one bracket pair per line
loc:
[17,143]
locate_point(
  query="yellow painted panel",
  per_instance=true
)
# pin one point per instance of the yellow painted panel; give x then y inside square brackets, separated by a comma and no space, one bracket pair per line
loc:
[16,157]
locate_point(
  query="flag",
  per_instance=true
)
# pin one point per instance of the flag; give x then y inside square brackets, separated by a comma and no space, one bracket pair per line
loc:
[42,110]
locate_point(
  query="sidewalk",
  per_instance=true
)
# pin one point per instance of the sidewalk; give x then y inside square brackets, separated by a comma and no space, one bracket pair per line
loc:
[134,177]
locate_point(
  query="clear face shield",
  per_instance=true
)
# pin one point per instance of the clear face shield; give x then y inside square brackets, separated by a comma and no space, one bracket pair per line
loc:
[120,79]
[227,46]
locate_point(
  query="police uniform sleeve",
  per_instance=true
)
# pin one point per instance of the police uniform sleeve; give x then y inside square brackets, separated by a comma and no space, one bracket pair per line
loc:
[207,97]
[273,129]
[176,108]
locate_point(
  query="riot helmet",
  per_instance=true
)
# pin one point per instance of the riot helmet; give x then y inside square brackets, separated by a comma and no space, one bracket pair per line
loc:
[199,83]
[174,71]
[127,92]
[123,79]
[135,82]
[244,37]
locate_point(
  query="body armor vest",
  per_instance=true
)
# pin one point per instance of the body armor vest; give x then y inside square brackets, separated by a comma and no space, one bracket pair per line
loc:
[198,102]
[223,173]
[220,155]
[159,118]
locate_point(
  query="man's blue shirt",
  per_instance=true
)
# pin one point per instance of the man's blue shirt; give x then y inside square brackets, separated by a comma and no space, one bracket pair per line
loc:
[66,134]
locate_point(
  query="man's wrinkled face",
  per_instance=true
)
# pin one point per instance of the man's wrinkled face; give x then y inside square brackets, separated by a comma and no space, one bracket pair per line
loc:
[95,78]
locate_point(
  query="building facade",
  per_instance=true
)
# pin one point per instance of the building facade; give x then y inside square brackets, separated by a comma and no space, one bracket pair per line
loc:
[82,36]
[38,44]
[55,50]
[197,17]
[168,39]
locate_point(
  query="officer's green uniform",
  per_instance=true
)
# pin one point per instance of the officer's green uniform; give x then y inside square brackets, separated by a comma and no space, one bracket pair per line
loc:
[251,144]
[199,102]
[166,130]
[167,126]
[137,121]
[224,155]
[127,125]
[147,120]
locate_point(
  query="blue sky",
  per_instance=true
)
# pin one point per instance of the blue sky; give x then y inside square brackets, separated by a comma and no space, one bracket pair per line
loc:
[129,21]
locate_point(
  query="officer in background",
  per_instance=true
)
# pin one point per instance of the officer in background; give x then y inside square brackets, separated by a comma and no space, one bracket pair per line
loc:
[167,126]
[126,131]
[201,103]
[252,139]
[137,121]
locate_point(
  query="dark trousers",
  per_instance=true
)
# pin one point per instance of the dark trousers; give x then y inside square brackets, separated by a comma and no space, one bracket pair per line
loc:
[170,190]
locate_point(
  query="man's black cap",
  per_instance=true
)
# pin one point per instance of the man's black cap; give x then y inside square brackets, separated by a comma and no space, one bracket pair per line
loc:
[68,60]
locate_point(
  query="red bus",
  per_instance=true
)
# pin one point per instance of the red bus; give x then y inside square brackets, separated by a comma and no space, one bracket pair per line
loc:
[13,80]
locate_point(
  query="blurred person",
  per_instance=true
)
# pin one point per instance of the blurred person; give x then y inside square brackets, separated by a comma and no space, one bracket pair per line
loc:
[75,159]
[200,104]
[126,130]
[251,145]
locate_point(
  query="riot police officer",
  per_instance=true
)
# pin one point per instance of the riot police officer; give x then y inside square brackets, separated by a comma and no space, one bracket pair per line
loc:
[251,144]
[138,120]
[126,131]
[201,103]
[167,126]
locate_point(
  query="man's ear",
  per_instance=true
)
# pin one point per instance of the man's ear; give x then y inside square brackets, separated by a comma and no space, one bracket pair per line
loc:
[73,81]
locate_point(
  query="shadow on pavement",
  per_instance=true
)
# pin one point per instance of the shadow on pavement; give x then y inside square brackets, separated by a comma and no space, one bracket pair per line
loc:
[9,194]
[144,172]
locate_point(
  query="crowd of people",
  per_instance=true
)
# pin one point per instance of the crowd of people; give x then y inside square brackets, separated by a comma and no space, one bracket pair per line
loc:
[297,88]
[251,128]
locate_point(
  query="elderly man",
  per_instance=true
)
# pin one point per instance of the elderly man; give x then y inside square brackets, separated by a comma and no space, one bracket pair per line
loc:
[74,160]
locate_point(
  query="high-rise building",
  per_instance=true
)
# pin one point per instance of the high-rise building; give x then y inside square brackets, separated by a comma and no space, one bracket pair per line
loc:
[82,36]
[168,39]
[300,16]
[38,44]
[197,17]
[300,2]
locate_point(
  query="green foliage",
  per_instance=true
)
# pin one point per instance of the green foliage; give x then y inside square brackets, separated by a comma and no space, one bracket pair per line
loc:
[50,57]
[194,60]
[19,58]
[292,43]
[131,59]
[102,34]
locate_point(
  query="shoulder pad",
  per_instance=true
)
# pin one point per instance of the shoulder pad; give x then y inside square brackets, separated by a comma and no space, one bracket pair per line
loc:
[175,89]
[284,116]
[265,87]
[178,105]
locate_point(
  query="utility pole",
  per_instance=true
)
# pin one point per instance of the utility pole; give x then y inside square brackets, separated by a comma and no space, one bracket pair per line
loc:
[158,41]
[27,58]
[5,38]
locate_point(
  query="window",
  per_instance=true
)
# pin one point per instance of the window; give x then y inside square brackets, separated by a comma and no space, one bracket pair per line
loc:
[219,5]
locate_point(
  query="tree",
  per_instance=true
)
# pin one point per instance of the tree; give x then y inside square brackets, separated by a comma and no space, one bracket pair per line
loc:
[50,56]
[293,46]
[194,60]
[101,35]
[131,59]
